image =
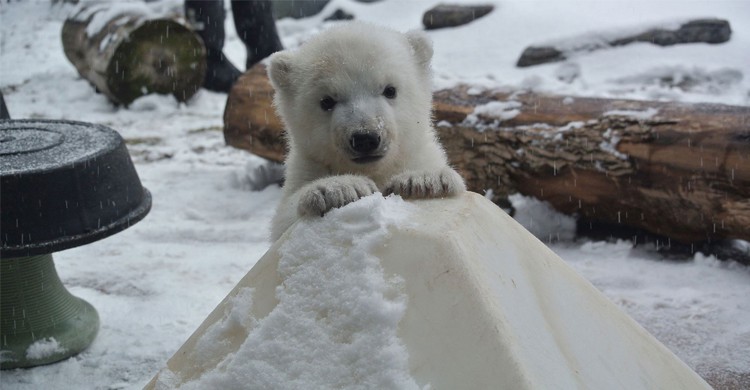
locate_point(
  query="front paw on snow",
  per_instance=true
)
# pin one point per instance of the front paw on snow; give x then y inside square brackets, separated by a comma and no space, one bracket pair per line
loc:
[446,182]
[325,194]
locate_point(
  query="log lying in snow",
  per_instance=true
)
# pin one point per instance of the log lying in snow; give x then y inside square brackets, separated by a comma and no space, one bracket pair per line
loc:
[479,304]
[250,121]
[700,30]
[677,170]
[125,53]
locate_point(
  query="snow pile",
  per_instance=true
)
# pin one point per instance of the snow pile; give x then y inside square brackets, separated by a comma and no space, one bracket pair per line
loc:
[499,110]
[677,78]
[43,349]
[335,324]
[490,115]
[541,220]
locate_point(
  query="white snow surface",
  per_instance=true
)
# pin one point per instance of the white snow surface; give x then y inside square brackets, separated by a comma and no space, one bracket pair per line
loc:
[336,321]
[154,283]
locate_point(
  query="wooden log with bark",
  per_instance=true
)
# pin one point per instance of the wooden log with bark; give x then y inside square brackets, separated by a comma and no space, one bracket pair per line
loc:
[674,169]
[125,52]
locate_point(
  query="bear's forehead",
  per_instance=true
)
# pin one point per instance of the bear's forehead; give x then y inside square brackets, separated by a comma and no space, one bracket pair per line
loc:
[356,63]
[342,49]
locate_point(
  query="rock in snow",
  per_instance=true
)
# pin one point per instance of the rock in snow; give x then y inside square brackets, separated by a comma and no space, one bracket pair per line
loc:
[437,294]
[450,15]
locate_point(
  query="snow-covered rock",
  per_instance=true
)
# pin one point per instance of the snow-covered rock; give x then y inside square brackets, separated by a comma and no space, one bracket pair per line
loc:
[438,294]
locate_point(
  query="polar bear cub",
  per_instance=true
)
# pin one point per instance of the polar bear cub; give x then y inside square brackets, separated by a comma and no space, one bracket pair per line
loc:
[356,101]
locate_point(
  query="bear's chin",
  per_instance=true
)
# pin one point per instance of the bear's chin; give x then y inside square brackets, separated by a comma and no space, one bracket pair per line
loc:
[367,159]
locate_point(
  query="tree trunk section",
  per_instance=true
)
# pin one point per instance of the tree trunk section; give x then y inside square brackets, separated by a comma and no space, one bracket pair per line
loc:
[673,169]
[250,120]
[681,172]
[125,53]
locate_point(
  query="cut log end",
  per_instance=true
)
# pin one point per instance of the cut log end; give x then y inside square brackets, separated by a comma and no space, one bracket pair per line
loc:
[160,56]
[126,53]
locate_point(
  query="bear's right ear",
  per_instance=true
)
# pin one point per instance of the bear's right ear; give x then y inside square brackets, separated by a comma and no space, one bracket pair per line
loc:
[280,70]
[421,47]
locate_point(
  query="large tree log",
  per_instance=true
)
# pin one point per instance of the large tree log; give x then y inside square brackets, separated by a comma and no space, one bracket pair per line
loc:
[678,170]
[125,53]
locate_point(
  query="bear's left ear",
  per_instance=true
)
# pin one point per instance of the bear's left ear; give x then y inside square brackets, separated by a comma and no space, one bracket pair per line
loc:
[421,47]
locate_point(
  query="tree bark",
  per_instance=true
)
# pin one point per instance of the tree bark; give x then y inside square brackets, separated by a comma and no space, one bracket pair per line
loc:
[125,53]
[250,120]
[673,169]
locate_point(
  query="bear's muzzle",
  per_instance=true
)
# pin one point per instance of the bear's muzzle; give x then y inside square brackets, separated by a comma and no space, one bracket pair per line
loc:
[365,147]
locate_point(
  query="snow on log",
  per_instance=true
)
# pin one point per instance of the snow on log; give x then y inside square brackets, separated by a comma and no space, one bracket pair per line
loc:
[676,170]
[440,294]
[125,51]
[707,30]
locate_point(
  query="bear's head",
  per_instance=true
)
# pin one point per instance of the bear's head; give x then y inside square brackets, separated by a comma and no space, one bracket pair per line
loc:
[355,96]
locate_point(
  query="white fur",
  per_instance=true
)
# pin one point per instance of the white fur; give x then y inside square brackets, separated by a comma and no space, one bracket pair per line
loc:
[353,63]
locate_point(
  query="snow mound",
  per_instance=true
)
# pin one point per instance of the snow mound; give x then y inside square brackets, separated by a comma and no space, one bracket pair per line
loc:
[542,220]
[335,324]
[43,349]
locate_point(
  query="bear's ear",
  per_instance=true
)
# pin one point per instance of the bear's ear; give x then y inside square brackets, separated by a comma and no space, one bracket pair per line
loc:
[280,70]
[421,46]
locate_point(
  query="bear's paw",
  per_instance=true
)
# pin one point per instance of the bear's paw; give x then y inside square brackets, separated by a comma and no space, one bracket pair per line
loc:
[322,195]
[442,183]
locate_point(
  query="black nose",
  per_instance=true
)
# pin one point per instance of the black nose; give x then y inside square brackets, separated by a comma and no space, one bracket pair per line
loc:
[364,143]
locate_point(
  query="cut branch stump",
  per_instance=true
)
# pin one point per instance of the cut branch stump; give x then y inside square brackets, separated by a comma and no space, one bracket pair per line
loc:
[125,53]
[676,170]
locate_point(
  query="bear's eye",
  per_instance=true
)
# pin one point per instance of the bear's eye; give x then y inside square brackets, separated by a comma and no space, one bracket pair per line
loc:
[389,92]
[327,103]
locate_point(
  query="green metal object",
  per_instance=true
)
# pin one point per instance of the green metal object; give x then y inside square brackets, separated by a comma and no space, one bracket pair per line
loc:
[40,321]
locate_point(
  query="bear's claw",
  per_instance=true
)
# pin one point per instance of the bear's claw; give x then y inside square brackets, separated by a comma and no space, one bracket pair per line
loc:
[445,182]
[322,195]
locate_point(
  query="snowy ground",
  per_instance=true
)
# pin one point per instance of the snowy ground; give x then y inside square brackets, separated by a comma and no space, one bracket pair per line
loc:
[154,283]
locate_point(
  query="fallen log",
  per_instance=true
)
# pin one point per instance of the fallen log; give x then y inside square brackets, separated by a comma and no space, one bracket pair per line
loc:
[708,30]
[125,52]
[676,170]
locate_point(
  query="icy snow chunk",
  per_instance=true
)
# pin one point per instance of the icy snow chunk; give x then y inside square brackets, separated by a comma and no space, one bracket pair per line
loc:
[336,321]
[43,349]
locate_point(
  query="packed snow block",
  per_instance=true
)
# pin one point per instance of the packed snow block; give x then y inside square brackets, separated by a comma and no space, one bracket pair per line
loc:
[450,293]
